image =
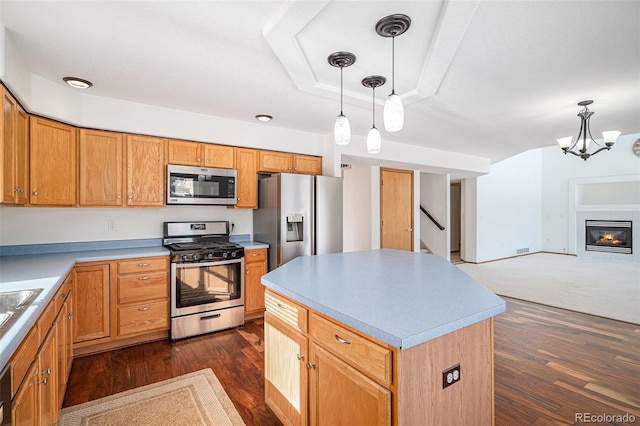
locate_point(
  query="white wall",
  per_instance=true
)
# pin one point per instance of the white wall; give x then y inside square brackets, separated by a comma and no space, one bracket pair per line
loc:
[508,207]
[42,225]
[434,197]
[558,170]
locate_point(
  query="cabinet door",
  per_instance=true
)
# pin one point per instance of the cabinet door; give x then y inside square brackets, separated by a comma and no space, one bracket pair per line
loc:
[254,290]
[219,156]
[271,161]
[25,405]
[8,152]
[247,164]
[61,355]
[22,157]
[285,371]
[91,303]
[101,159]
[341,395]
[145,171]
[47,389]
[184,153]
[307,164]
[53,165]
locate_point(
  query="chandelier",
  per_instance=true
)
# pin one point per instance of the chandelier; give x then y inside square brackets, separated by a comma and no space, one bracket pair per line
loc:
[584,138]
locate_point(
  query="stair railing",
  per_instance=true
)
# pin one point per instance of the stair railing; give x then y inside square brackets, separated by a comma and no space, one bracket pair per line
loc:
[432,218]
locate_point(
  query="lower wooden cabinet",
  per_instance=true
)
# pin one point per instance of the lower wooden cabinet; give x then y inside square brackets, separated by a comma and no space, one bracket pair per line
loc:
[255,266]
[24,407]
[123,302]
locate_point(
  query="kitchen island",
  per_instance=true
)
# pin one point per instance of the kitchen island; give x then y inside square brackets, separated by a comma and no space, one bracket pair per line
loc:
[378,337]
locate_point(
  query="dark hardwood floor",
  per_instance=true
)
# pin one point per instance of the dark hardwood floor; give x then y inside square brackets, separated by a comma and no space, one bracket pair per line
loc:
[549,365]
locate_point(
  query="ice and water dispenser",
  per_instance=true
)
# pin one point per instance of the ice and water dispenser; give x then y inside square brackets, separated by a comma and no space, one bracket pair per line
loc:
[295,227]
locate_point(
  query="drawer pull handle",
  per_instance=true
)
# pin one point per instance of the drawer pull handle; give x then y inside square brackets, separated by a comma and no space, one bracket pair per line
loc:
[69,315]
[300,356]
[210,317]
[255,254]
[143,309]
[43,381]
[346,342]
[281,306]
[62,296]
[143,278]
[143,264]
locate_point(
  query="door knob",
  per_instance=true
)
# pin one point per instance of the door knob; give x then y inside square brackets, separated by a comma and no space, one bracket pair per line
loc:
[410,229]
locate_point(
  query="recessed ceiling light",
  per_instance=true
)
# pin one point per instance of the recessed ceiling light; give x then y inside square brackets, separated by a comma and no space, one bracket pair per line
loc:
[78,83]
[264,117]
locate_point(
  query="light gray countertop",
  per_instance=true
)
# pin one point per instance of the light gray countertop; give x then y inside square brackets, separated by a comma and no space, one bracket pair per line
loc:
[47,271]
[402,298]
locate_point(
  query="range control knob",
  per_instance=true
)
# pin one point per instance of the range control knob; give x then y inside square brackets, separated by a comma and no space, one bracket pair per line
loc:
[184,257]
[234,254]
[194,256]
[210,255]
[225,254]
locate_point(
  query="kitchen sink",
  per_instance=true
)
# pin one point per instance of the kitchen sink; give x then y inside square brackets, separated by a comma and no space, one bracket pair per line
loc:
[13,304]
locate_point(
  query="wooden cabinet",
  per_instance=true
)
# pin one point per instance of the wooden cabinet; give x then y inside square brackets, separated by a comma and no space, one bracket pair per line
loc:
[14,154]
[41,365]
[347,377]
[282,162]
[247,181]
[145,171]
[101,176]
[188,153]
[285,371]
[52,163]
[91,318]
[142,296]
[25,407]
[255,266]
[342,395]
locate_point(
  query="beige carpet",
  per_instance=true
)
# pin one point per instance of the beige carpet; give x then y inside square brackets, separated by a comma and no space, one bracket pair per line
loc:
[192,399]
[605,288]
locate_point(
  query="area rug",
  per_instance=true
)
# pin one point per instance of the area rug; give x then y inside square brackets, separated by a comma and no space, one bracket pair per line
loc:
[192,399]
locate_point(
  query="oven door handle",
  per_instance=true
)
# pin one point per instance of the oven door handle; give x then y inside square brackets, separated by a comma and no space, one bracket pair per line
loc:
[204,264]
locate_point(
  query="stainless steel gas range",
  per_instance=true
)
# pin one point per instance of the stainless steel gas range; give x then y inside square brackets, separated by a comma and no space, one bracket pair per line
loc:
[207,278]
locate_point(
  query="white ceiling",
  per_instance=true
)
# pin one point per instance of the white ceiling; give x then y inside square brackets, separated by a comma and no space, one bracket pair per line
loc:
[485,78]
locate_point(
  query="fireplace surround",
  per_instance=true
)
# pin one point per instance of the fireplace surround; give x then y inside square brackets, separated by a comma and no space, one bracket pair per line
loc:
[610,236]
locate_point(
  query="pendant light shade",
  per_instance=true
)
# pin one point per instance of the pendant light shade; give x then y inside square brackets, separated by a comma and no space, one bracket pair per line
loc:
[392,26]
[374,140]
[393,113]
[342,128]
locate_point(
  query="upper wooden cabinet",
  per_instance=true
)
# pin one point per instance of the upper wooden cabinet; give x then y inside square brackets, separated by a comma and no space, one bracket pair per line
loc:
[282,162]
[101,168]
[53,164]
[247,181]
[145,171]
[14,125]
[188,153]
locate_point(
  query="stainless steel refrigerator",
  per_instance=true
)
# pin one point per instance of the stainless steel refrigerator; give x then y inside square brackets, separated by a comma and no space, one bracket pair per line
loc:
[298,215]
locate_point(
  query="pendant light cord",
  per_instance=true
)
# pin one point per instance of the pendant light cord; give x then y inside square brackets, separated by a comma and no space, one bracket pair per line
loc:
[374,106]
[393,64]
[341,90]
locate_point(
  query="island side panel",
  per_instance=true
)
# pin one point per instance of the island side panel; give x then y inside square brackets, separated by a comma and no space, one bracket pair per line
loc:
[421,397]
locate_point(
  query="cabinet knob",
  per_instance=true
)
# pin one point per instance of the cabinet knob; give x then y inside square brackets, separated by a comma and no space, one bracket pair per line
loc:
[118,196]
[130,197]
[254,254]
[199,160]
[300,356]
[62,296]
[248,272]
[36,193]
[69,315]
[43,381]
[310,365]
[47,371]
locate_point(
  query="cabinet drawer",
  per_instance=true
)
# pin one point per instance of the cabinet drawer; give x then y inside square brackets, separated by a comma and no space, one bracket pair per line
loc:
[23,358]
[61,297]
[138,288]
[255,255]
[369,357]
[287,311]
[143,318]
[137,266]
[45,322]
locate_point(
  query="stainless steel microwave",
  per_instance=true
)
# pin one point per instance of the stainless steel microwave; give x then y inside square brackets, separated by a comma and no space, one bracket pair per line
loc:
[201,185]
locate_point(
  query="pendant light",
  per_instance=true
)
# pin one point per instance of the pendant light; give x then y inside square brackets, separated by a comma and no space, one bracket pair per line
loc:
[584,136]
[374,141]
[342,129]
[392,26]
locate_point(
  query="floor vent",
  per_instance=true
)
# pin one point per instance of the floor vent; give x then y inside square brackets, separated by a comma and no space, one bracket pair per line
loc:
[522,250]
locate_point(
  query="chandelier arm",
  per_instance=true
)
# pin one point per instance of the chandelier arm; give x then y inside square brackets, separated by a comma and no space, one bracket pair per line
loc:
[571,151]
[593,140]
[604,148]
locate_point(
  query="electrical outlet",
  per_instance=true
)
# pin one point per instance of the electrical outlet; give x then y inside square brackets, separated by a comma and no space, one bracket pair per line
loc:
[111,225]
[450,376]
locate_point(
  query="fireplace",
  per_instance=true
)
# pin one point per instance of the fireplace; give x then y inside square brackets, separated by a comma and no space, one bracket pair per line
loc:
[611,236]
